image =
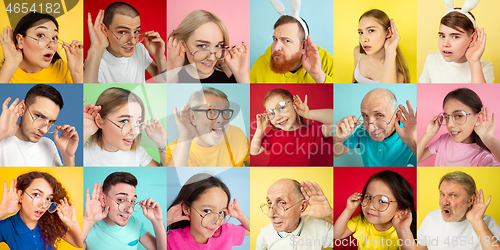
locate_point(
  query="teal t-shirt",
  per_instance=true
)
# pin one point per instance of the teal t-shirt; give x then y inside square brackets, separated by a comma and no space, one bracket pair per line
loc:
[105,237]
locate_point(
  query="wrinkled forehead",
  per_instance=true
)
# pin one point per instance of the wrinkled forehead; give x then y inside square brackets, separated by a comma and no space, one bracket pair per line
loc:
[452,187]
[280,191]
[373,105]
[289,30]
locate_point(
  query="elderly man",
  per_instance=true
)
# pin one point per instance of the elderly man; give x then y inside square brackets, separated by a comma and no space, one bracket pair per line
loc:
[383,142]
[293,57]
[292,227]
[205,136]
[460,223]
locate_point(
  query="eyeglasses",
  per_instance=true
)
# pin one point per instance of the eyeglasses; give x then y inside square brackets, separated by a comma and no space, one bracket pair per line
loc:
[40,123]
[459,117]
[210,219]
[128,127]
[278,209]
[124,205]
[125,39]
[281,107]
[380,202]
[213,114]
[378,124]
[40,201]
[203,54]
[44,42]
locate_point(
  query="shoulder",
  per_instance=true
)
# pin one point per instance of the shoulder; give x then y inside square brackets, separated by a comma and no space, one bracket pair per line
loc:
[356,54]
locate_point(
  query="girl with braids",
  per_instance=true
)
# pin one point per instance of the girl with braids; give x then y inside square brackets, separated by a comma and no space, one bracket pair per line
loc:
[43,214]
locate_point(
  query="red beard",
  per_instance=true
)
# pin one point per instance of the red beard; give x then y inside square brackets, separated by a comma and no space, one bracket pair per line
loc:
[283,64]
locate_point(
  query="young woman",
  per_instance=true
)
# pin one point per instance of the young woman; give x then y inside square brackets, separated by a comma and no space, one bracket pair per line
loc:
[201,44]
[377,58]
[30,53]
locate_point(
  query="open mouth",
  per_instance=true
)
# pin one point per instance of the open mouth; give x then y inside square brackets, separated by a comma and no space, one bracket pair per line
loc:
[208,64]
[447,53]
[124,217]
[39,213]
[218,131]
[454,133]
[37,136]
[129,49]
[447,211]
[128,142]
[282,123]
[48,57]
[366,47]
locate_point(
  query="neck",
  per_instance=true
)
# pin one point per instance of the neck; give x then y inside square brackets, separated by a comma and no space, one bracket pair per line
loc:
[108,221]
[29,68]
[19,134]
[31,224]
[379,56]
[113,53]
[105,145]
[383,227]
[298,65]
[462,59]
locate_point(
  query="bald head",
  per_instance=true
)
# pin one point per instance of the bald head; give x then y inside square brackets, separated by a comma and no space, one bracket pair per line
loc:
[380,96]
[288,187]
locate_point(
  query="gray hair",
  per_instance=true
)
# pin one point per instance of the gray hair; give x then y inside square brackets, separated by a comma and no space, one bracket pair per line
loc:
[393,101]
[462,178]
[197,98]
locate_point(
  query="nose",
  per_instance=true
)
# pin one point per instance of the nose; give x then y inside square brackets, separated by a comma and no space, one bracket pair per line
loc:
[277,45]
[446,42]
[363,38]
[271,213]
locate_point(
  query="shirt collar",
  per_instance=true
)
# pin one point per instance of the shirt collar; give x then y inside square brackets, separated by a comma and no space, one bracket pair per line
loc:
[19,225]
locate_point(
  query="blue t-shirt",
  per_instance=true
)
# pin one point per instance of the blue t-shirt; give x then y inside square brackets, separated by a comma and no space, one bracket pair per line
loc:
[18,236]
[105,237]
[391,152]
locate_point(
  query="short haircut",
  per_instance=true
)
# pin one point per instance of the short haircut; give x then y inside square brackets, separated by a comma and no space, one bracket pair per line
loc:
[44,91]
[462,178]
[290,19]
[196,99]
[118,177]
[118,8]
[459,21]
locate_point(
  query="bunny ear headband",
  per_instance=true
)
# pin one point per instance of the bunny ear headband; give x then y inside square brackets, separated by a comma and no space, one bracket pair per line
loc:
[295,4]
[468,6]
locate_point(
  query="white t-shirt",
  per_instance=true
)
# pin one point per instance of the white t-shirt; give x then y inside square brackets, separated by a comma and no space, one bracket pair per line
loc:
[437,70]
[94,156]
[17,153]
[114,69]
[435,233]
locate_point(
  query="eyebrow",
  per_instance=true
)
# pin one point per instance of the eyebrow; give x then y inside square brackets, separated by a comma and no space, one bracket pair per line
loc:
[451,34]
[127,28]
[44,27]
[369,27]
[126,194]
[36,112]
[36,189]
[128,116]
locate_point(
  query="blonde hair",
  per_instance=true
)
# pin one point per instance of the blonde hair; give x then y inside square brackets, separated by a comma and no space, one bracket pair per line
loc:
[192,22]
[285,94]
[110,100]
[382,19]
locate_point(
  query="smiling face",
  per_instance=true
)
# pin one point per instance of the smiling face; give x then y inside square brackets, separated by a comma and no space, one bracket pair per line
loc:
[43,108]
[375,106]
[35,58]
[453,201]
[286,48]
[210,132]
[38,188]
[120,192]
[453,44]
[460,133]
[122,25]
[381,220]
[281,192]
[283,120]
[372,35]
[112,138]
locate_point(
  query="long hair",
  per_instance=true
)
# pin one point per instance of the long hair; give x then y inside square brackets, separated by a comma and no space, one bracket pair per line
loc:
[51,227]
[192,22]
[472,100]
[110,100]
[459,21]
[285,94]
[382,19]
[402,190]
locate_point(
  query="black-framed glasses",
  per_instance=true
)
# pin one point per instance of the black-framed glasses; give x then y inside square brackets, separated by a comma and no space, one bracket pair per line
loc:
[278,209]
[459,117]
[44,42]
[380,202]
[203,54]
[40,123]
[210,219]
[128,128]
[124,206]
[213,114]
[281,107]
[40,202]
[378,124]
[125,39]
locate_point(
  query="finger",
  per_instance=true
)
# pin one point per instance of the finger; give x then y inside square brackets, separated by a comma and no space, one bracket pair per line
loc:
[87,195]
[488,201]
[6,103]
[5,187]
[14,104]
[246,47]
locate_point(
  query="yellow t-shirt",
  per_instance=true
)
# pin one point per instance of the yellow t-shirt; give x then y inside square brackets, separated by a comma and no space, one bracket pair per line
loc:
[370,238]
[225,154]
[261,70]
[57,72]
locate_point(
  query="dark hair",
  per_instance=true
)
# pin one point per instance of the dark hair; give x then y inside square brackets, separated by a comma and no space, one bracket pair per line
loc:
[45,91]
[192,190]
[458,21]
[402,190]
[51,227]
[286,95]
[472,100]
[118,8]
[118,177]
[290,19]
[29,21]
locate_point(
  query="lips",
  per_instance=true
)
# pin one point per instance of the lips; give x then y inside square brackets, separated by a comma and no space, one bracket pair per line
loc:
[124,217]
[208,65]
[128,142]
[218,131]
[37,136]
[282,123]
[48,57]
[370,215]
[277,224]
[455,133]
[39,213]
[129,49]
[366,47]
[447,53]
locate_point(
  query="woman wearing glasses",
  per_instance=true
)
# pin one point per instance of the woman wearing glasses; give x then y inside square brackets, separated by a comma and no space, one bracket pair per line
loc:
[470,140]
[113,128]
[201,43]
[44,214]
[31,53]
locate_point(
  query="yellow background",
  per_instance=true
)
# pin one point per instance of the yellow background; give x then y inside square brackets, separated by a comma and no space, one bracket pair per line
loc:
[486,178]
[71,179]
[429,16]
[262,178]
[70,24]
[345,32]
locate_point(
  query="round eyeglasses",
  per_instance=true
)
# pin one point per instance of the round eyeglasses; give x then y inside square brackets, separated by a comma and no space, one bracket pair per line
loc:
[44,42]
[125,39]
[210,219]
[40,123]
[128,127]
[459,117]
[213,114]
[202,55]
[379,124]
[124,205]
[40,202]
[379,202]
[281,107]
[278,209]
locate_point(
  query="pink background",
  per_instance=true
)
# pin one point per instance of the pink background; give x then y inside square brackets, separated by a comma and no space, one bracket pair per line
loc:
[430,103]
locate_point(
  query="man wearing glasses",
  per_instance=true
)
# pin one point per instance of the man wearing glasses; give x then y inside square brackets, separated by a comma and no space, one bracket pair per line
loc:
[205,136]
[23,144]
[384,136]
[292,227]
[108,222]
[460,223]
[116,54]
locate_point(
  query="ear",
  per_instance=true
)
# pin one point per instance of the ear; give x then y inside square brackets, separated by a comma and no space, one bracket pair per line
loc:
[473,38]
[98,120]
[102,199]
[192,118]
[104,29]
[185,209]
[470,202]
[19,193]
[183,46]
[303,46]
[20,41]
[22,108]
[304,205]
[389,32]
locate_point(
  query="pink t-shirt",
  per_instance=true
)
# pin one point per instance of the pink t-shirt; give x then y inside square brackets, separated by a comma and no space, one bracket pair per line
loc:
[182,239]
[450,153]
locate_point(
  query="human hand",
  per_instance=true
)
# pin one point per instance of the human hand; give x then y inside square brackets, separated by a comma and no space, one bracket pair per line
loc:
[486,126]
[66,212]
[74,55]
[319,206]
[155,132]
[392,41]
[98,38]
[433,126]
[262,121]
[152,210]
[90,113]
[234,209]
[10,198]
[237,60]
[174,214]
[186,129]
[8,118]
[402,220]
[407,133]
[175,53]
[93,209]
[476,46]
[354,201]
[11,53]
[301,107]
[311,61]
[345,127]
[67,143]
[478,209]
[154,44]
